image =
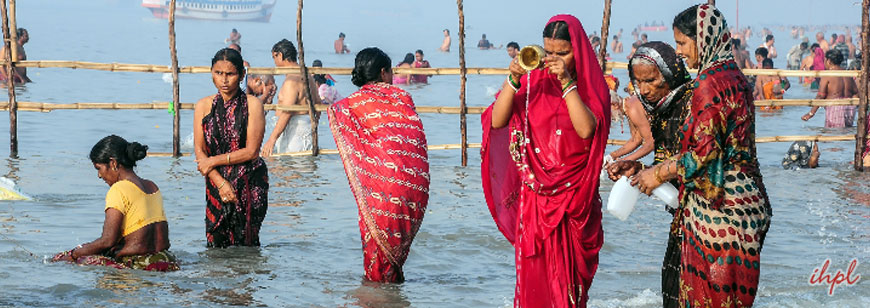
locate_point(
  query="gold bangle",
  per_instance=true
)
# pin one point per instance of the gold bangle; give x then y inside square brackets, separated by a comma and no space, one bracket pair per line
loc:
[228,158]
[222,184]
[658,177]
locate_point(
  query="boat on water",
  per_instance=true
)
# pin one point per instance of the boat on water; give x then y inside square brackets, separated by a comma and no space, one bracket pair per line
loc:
[230,10]
[654,28]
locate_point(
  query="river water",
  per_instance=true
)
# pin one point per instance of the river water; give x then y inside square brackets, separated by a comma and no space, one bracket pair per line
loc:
[311,248]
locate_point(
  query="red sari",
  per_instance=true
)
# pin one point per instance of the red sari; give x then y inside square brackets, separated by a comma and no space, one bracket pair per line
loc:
[541,181]
[380,138]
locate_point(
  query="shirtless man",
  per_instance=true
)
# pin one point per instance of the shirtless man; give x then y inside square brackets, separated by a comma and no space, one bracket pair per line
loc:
[513,48]
[20,72]
[238,48]
[484,44]
[741,56]
[835,88]
[292,92]
[778,89]
[340,46]
[760,54]
[820,38]
[616,45]
[235,37]
[263,87]
[768,43]
[445,45]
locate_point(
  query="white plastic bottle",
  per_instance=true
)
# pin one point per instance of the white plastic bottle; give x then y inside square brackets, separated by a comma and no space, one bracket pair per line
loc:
[667,193]
[622,198]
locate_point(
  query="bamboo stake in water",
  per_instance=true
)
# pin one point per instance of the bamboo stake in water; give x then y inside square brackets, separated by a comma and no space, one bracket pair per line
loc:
[10,82]
[605,29]
[863,90]
[176,116]
[463,110]
[305,79]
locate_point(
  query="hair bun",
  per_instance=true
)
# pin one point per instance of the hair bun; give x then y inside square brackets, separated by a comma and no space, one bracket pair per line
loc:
[136,151]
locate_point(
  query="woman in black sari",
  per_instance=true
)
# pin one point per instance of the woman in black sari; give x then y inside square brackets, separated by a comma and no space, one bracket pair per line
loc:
[661,83]
[228,130]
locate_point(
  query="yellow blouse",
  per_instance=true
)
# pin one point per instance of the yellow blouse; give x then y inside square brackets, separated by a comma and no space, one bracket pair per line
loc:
[139,209]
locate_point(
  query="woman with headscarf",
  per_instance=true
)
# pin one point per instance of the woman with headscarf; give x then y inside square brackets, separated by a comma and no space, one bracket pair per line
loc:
[724,211]
[662,86]
[543,141]
[382,145]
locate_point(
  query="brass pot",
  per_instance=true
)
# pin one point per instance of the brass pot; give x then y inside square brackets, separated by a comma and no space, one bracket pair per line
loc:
[531,57]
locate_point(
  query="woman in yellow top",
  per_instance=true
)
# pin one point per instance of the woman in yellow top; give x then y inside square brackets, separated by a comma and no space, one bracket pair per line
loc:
[135,233]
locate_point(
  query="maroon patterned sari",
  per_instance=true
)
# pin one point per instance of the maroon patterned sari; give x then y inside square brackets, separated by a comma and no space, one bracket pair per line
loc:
[227,224]
[382,145]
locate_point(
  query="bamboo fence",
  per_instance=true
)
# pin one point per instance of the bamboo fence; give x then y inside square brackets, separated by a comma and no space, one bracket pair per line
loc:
[153,68]
[48,107]
[9,31]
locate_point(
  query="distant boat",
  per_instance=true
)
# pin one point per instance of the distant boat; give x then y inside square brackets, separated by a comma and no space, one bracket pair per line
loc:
[230,10]
[654,28]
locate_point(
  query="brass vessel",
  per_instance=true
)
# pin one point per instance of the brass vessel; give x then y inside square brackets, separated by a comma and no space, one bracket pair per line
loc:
[531,57]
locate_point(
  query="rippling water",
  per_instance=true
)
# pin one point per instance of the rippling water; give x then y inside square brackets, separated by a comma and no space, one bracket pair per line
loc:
[311,252]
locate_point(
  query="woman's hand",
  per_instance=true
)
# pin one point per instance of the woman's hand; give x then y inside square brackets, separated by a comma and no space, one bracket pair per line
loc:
[517,71]
[267,148]
[808,116]
[620,168]
[227,193]
[63,256]
[205,165]
[556,66]
[646,181]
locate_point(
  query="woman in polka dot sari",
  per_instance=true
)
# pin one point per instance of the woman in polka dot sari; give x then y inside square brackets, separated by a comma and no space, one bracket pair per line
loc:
[724,210]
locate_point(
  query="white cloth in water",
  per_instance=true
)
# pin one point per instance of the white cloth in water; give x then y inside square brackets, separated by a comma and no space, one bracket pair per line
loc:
[296,136]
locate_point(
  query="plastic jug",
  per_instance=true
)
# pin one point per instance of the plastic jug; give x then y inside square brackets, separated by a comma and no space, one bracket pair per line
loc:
[622,198]
[667,193]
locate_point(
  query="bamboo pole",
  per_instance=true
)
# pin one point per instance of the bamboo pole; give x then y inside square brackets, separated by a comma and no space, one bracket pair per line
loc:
[807,102]
[48,107]
[863,88]
[463,110]
[152,68]
[605,29]
[457,146]
[315,117]
[176,99]
[13,31]
[10,83]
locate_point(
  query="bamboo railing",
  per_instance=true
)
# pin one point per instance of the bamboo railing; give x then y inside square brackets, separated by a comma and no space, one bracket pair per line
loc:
[48,107]
[152,68]
[454,146]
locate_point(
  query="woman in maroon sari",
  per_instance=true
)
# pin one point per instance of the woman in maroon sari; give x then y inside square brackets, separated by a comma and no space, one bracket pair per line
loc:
[543,141]
[383,148]
[228,130]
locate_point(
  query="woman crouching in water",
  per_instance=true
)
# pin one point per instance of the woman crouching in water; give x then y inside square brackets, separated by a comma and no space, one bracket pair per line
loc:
[135,232]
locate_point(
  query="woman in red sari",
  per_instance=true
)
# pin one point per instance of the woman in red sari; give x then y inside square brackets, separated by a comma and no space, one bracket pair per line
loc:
[724,211]
[543,141]
[383,148]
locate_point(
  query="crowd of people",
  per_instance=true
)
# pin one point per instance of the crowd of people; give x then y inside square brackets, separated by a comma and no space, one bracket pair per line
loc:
[543,150]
